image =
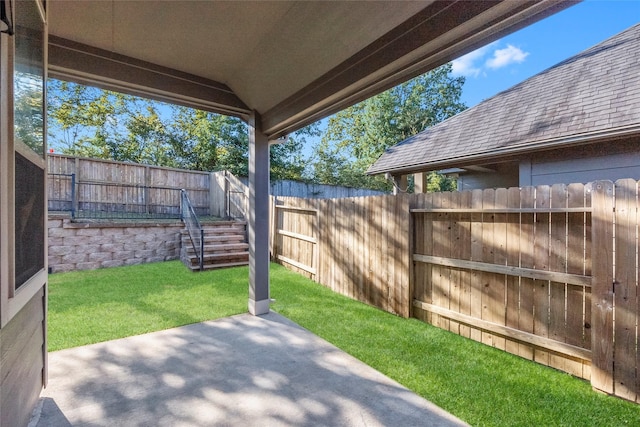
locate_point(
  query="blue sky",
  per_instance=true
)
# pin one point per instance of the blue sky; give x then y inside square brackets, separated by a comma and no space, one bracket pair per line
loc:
[514,58]
[525,53]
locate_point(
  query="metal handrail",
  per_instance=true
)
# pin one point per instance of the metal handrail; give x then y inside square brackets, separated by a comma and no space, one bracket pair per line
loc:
[194,229]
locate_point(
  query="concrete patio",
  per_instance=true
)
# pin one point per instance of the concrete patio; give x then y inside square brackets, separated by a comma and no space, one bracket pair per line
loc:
[238,371]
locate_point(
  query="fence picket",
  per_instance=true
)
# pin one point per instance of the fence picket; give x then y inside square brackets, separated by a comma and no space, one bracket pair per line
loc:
[541,289]
[489,280]
[557,262]
[513,259]
[420,239]
[527,260]
[601,289]
[498,291]
[625,289]
[566,325]
[437,277]
[575,318]
[476,255]
[464,245]
[455,252]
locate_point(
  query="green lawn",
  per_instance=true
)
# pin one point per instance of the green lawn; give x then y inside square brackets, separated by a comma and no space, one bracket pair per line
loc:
[86,307]
[479,384]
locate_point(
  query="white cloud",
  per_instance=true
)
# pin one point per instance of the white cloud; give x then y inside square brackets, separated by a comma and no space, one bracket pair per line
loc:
[508,55]
[473,64]
[467,65]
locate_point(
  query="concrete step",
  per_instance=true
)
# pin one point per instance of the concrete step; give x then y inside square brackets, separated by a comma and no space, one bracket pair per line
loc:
[230,238]
[227,256]
[220,265]
[223,224]
[223,247]
[219,231]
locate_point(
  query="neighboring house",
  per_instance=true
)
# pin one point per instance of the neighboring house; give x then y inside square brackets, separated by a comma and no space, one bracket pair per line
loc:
[578,121]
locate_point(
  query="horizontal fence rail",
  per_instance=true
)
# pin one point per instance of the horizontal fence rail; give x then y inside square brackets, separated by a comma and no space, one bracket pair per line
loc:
[549,273]
[503,266]
[107,200]
[95,188]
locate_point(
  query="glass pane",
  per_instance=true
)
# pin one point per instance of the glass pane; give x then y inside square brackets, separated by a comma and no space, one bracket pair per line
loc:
[29,76]
[29,220]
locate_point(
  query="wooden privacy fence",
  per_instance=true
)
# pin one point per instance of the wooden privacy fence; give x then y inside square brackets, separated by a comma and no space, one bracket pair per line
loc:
[105,185]
[510,268]
[548,273]
[229,195]
[356,246]
[93,185]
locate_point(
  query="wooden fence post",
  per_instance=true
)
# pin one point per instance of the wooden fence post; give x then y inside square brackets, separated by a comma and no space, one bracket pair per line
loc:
[275,248]
[602,287]
[212,185]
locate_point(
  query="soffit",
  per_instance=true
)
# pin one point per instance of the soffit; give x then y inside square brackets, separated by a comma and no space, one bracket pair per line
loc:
[291,61]
[264,51]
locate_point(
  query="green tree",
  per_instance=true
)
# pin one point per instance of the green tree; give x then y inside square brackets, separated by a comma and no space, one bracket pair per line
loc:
[358,135]
[28,110]
[91,122]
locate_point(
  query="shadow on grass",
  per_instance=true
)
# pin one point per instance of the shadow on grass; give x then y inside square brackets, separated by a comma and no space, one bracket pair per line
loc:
[478,383]
[93,306]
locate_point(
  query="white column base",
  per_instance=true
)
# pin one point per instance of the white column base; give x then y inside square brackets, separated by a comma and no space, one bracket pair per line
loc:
[257,308]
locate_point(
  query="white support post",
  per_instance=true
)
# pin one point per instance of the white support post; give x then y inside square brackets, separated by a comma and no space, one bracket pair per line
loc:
[258,218]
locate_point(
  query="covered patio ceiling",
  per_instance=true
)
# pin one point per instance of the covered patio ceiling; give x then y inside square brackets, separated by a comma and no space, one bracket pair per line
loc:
[291,62]
[280,65]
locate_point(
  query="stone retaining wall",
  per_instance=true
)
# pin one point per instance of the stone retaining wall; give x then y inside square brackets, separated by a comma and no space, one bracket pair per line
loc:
[88,246]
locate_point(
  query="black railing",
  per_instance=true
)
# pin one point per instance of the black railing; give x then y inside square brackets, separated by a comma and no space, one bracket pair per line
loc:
[61,189]
[104,200]
[196,233]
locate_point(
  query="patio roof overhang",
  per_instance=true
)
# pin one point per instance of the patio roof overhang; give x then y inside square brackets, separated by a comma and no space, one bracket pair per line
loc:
[280,65]
[293,62]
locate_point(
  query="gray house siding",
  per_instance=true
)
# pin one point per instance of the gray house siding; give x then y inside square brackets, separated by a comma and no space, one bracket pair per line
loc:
[611,160]
[612,167]
[22,356]
[505,175]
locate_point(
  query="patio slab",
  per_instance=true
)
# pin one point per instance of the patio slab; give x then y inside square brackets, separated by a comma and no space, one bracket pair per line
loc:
[238,371]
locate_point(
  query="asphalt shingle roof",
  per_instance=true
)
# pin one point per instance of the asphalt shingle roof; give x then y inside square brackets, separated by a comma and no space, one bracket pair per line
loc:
[595,91]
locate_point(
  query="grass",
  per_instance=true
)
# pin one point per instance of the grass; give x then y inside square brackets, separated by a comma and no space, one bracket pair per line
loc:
[479,384]
[86,307]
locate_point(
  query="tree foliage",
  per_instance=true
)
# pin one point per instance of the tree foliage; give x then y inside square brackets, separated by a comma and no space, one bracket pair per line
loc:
[90,122]
[358,135]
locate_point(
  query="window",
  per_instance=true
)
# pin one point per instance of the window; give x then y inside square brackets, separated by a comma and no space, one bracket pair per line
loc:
[29,220]
[23,158]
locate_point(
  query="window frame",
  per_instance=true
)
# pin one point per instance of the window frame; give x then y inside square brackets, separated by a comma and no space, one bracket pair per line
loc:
[12,300]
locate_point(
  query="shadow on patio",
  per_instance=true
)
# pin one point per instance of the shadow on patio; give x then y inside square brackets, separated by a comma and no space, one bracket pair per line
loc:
[241,370]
